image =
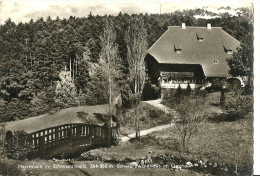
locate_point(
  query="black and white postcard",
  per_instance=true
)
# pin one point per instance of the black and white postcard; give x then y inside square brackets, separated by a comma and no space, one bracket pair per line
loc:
[127,88]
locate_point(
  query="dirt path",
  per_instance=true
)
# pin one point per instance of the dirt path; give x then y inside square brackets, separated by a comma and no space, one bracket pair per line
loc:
[145,132]
[157,103]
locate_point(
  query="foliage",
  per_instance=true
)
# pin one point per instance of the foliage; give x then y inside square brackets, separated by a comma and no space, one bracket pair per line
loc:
[238,105]
[167,96]
[109,60]
[248,89]
[241,62]
[178,95]
[19,146]
[65,92]
[200,93]
[222,98]
[136,40]
[7,168]
[188,90]
[128,100]
[190,114]
[217,85]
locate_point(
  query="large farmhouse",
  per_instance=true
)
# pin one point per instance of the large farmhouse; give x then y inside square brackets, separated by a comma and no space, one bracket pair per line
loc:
[190,55]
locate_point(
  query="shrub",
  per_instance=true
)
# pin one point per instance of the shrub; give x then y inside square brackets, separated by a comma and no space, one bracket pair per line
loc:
[167,96]
[237,105]
[7,168]
[156,113]
[217,85]
[190,113]
[222,98]
[19,146]
[248,89]
[188,90]
[150,92]
[200,93]
[179,95]
[127,97]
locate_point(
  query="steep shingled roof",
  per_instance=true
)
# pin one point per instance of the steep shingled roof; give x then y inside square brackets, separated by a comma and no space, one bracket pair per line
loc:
[215,40]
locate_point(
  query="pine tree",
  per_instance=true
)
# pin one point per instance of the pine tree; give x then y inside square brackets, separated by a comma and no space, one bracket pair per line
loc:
[188,90]
[179,95]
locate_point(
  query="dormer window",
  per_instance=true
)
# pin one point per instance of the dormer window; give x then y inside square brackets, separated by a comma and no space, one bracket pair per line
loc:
[177,48]
[200,37]
[228,50]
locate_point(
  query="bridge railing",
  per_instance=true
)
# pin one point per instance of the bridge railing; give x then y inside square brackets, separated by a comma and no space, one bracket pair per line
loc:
[72,133]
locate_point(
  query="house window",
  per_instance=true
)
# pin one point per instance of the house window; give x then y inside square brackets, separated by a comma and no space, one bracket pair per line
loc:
[228,50]
[215,61]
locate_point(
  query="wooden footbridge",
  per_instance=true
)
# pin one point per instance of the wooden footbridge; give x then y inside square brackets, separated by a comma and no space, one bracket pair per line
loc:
[69,138]
[67,131]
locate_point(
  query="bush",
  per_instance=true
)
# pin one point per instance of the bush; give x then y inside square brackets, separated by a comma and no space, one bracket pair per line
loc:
[188,90]
[248,89]
[150,92]
[7,168]
[167,96]
[217,85]
[156,113]
[19,146]
[179,95]
[200,93]
[238,105]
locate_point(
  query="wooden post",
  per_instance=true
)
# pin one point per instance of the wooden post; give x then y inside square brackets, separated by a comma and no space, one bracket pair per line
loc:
[70,136]
[41,151]
[56,135]
[109,136]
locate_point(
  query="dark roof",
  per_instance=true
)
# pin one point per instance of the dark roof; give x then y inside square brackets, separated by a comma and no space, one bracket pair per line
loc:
[194,52]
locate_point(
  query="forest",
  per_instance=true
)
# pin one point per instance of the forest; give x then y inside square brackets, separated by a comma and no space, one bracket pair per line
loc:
[38,57]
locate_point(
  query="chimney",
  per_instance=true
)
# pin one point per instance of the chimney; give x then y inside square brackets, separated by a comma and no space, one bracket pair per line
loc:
[183,26]
[208,26]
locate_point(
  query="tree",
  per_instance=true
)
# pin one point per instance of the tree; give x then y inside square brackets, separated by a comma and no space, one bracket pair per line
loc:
[65,92]
[241,62]
[136,40]
[188,90]
[178,95]
[109,61]
[190,114]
